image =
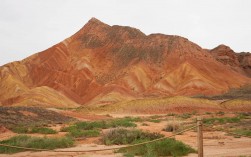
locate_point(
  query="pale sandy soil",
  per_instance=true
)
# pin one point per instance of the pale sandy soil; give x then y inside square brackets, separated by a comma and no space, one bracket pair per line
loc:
[216,144]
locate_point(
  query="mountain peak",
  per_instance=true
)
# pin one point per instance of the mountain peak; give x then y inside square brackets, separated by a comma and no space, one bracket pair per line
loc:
[95,21]
[223,47]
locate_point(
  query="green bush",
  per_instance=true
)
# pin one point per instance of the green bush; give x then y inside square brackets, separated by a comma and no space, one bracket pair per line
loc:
[166,147]
[35,142]
[128,136]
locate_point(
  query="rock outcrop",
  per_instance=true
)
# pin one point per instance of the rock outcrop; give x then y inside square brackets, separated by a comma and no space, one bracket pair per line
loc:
[240,62]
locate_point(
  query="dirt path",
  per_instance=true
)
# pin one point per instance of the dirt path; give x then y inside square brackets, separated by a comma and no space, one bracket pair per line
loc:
[81,147]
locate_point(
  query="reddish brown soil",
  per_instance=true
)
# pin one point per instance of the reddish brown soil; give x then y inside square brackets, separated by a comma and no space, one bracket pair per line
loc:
[80,116]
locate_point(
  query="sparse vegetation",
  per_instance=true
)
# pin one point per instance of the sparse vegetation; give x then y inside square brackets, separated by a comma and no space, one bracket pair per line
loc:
[35,142]
[121,122]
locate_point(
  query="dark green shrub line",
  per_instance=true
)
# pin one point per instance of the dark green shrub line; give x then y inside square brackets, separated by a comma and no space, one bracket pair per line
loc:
[221,120]
[123,122]
[35,142]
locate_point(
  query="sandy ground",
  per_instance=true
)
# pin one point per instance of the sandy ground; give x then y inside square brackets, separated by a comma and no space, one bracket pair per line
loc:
[216,144]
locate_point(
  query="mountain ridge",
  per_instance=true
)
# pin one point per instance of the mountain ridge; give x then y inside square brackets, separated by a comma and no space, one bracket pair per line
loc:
[100,62]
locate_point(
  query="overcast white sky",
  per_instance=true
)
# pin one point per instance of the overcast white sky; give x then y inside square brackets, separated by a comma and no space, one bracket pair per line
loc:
[30,26]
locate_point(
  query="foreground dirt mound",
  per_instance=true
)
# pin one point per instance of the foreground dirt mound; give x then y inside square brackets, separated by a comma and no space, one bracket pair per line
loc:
[103,64]
[157,106]
[30,116]
[178,104]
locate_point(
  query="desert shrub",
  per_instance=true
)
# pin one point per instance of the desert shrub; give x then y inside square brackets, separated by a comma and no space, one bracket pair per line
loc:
[172,126]
[166,147]
[35,142]
[128,136]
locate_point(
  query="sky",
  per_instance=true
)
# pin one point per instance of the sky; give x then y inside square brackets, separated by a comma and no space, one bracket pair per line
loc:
[31,26]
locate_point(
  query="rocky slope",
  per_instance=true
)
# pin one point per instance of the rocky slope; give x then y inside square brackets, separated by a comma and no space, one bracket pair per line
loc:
[103,64]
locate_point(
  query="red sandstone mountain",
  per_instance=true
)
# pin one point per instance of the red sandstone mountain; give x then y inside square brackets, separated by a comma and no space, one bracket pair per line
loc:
[104,64]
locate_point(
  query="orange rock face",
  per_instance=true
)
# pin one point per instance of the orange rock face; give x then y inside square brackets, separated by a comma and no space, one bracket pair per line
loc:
[103,64]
